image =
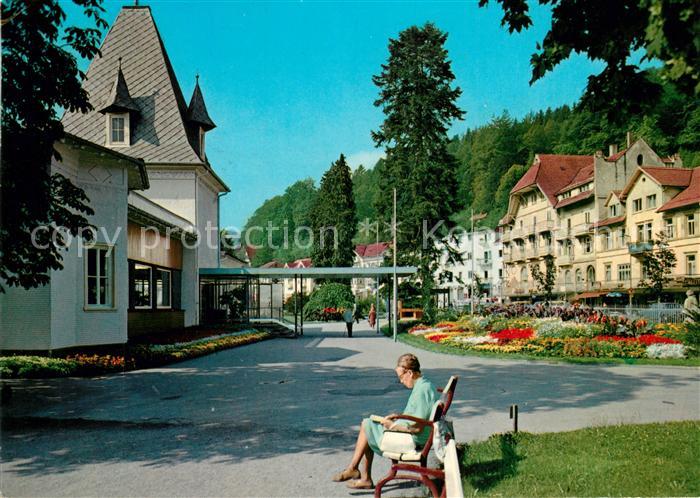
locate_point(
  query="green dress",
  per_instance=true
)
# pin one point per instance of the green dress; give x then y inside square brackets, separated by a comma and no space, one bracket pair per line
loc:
[420,404]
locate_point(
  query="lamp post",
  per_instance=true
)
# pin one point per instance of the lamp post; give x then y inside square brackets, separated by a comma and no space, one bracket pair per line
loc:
[628,238]
[396,293]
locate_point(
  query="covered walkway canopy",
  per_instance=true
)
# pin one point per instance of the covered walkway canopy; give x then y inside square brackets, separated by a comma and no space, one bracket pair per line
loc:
[245,294]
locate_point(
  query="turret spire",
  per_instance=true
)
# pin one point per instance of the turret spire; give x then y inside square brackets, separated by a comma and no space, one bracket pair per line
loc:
[197,110]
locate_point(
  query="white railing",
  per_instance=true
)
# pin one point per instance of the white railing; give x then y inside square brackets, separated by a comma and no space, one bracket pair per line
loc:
[654,313]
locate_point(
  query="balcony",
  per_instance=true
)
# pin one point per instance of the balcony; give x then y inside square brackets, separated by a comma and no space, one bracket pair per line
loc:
[637,248]
[485,262]
[545,226]
[532,253]
[545,251]
[517,233]
[563,233]
[581,230]
[517,255]
[565,259]
[506,236]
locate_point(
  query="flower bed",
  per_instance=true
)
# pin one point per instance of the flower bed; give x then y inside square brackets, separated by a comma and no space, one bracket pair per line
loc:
[594,336]
[137,357]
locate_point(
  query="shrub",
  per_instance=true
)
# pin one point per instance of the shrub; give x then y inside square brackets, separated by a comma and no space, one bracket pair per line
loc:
[328,295]
[35,367]
[402,327]
[446,315]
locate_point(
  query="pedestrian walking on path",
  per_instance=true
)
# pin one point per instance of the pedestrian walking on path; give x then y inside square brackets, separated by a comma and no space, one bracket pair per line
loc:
[348,318]
[372,318]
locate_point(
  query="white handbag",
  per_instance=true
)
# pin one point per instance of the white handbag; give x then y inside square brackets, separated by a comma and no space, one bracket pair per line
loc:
[397,442]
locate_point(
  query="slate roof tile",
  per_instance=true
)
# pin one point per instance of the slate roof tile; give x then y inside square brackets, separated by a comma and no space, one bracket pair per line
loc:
[159,134]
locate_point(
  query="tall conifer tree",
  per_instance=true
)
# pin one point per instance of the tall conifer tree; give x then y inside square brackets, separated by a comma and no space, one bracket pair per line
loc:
[333,218]
[419,102]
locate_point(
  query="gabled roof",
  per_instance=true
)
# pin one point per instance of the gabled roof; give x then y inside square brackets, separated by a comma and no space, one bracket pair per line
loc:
[669,177]
[617,155]
[609,221]
[119,99]
[687,197]
[161,133]
[197,110]
[574,199]
[299,263]
[553,172]
[273,264]
[372,250]
[664,176]
[583,176]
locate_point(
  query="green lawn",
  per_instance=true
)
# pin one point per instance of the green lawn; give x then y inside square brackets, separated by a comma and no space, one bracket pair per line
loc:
[420,342]
[631,460]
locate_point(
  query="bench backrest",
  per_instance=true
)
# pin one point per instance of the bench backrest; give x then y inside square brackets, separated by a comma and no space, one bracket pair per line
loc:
[448,393]
[453,478]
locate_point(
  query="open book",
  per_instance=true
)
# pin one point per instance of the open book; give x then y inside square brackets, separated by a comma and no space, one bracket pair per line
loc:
[377,419]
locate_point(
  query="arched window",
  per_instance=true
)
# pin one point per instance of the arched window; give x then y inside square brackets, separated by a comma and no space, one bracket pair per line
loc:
[590,274]
[567,277]
[579,276]
[523,274]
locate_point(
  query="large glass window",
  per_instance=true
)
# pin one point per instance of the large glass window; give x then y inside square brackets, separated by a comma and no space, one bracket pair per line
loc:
[608,272]
[690,224]
[636,205]
[142,287]
[99,279]
[163,288]
[691,264]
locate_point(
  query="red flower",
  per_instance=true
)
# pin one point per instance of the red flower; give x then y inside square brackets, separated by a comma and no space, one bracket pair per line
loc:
[506,335]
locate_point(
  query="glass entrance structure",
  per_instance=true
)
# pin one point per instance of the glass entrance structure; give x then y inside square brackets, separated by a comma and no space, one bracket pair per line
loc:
[241,295]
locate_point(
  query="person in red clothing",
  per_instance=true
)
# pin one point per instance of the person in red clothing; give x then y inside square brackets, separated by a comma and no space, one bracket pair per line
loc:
[372,318]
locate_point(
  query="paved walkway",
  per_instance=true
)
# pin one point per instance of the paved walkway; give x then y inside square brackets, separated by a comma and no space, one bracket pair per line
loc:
[279,417]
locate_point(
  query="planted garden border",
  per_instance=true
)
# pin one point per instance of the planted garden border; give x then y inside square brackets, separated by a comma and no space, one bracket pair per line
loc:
[136,357]
[593,339]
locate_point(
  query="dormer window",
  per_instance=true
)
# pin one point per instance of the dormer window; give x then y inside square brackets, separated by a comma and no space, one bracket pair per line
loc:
[118,129]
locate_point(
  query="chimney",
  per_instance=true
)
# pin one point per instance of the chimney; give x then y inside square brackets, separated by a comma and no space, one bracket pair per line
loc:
[629,139]
[612,149]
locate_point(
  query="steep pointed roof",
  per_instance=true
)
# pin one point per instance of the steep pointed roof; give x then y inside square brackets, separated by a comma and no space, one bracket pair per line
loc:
[197,110]
[119,99]
[160,135]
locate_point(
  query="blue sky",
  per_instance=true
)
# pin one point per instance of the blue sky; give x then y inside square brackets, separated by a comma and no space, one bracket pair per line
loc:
[289,84]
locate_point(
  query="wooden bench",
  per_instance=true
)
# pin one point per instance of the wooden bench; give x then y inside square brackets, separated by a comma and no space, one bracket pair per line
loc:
[414,313]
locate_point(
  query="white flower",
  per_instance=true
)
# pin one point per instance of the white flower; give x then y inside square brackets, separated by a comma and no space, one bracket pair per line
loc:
[666,351]
[480,339]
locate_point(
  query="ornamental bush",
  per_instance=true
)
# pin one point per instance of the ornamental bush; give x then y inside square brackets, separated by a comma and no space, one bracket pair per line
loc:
[35,367]
[328,295]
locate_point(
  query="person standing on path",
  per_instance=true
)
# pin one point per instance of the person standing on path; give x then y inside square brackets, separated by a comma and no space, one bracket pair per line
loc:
[372,318]
[348,317]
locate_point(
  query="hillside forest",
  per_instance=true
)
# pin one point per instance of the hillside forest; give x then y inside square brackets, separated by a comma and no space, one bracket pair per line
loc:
[491,158]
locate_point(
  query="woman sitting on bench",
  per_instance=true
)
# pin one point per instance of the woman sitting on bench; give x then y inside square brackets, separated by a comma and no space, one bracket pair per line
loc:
[420,403]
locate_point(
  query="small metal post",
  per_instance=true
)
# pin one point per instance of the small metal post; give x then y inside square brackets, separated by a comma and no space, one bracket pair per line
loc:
[514,417]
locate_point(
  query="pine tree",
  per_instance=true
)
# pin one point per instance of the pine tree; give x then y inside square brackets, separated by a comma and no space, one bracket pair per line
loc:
[418,100]
[333,218]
